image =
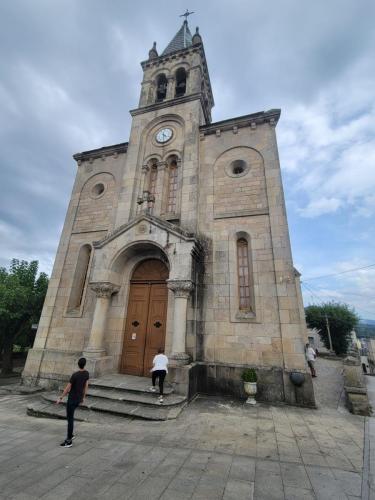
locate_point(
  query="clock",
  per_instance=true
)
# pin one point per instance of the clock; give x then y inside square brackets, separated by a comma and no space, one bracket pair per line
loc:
[164,135]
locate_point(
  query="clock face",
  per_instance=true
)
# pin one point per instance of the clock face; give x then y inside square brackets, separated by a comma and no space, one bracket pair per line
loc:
[164,135]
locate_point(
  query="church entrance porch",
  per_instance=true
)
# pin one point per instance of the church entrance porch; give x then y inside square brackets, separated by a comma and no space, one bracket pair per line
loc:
[146,317]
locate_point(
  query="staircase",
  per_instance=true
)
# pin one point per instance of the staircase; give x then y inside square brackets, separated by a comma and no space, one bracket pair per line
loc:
[121,395]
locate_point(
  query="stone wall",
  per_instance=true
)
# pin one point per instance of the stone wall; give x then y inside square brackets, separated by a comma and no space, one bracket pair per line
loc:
[248,204]
[225,379]
[62,333]
[355,387]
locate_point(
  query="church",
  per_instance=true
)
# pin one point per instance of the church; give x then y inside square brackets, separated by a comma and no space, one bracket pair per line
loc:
[178,239]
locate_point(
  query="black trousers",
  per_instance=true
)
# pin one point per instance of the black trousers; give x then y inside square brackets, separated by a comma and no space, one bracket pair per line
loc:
[160,374]
[70,409]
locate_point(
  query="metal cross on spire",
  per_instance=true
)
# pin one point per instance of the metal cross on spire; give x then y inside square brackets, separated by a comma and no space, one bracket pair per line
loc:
[187,14]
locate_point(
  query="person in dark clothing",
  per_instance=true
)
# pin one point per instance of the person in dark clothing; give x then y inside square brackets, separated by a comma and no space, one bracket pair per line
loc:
[76,388]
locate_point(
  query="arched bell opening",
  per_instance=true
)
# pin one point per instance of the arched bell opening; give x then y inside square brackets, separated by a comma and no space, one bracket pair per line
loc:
[161,87]
[180,82]
[146,317]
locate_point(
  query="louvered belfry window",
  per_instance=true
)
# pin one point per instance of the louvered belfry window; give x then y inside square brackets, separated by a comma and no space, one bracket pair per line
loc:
[172,187]
[243,275]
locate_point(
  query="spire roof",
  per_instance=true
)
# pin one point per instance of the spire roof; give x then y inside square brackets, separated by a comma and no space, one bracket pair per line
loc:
[181,40]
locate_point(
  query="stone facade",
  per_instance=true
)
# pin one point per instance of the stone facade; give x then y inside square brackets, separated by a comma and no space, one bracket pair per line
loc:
[185,191]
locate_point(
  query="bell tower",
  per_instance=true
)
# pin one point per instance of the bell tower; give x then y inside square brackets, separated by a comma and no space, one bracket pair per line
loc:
[180,72]
[163,152]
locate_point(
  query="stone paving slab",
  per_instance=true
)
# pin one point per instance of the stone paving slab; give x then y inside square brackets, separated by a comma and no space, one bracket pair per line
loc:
[218,448]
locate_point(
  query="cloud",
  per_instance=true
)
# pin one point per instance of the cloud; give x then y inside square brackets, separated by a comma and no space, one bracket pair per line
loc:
[356,288]
[320,207]
[329,155]
[70,72]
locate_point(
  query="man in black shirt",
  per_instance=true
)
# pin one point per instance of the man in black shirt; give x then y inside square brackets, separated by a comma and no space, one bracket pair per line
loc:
[76,388]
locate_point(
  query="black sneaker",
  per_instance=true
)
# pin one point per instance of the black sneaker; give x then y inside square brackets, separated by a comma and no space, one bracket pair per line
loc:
[66,444]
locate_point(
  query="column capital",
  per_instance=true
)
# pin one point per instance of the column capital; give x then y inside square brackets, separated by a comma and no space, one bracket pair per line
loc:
[181,288]
[161,165]
[104,289]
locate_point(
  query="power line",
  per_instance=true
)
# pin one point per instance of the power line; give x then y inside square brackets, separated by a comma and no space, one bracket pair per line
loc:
[308,287]
[337,274]
[335,298]
[327,314]
[311,292]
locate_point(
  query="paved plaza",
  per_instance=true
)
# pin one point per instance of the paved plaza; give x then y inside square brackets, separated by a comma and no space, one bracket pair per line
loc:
[216,449]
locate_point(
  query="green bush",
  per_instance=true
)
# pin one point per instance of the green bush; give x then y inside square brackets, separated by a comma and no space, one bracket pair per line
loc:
[249,375]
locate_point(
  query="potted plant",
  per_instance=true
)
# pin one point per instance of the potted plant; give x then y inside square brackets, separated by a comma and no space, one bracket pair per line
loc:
[249,378]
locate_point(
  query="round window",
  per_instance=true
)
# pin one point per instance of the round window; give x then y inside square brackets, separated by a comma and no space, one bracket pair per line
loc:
[237,168]
[98,190]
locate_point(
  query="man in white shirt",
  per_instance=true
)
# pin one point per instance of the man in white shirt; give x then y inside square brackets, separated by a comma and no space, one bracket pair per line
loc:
[159,370]
[310,356]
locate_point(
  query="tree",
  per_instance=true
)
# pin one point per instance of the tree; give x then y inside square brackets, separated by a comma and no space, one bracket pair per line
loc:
[341,319]
[22,295]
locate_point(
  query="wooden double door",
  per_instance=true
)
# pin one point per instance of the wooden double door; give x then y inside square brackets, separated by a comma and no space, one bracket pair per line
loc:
[146,318]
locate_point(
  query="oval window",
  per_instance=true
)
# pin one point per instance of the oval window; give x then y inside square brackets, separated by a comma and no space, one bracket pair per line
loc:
[237,168]
[98,190]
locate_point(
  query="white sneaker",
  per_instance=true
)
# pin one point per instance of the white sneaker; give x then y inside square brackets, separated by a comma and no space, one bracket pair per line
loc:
[161,400]
[152,389]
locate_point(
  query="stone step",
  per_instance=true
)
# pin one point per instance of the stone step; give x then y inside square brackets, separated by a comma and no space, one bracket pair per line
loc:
[122,408]
[128,383]
[146,398]
[44,409]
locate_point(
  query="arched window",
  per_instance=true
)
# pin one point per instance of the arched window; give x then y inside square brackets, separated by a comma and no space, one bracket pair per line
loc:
[80,278]
[161,88]
[152,184]
[180,82]
[153,177]
[244,278]
[172,185]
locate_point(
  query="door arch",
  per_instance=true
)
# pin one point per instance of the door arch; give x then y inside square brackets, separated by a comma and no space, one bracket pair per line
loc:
[146,317]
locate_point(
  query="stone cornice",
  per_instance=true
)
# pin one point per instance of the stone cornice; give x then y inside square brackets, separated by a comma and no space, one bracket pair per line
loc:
[115,149]
[272,117]
[297,274]
[168,103]
[242,213]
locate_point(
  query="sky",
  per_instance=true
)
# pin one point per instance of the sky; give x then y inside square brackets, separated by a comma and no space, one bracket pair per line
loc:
[70,73]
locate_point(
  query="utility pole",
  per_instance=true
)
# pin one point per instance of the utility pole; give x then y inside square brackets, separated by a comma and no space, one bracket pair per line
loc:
[329,334]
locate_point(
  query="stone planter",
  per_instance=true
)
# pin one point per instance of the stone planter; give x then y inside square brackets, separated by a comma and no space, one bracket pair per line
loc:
[251,390]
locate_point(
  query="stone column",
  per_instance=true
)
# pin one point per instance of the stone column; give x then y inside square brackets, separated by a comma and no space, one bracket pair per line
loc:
[170,87]
[181,290]
[104,291]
